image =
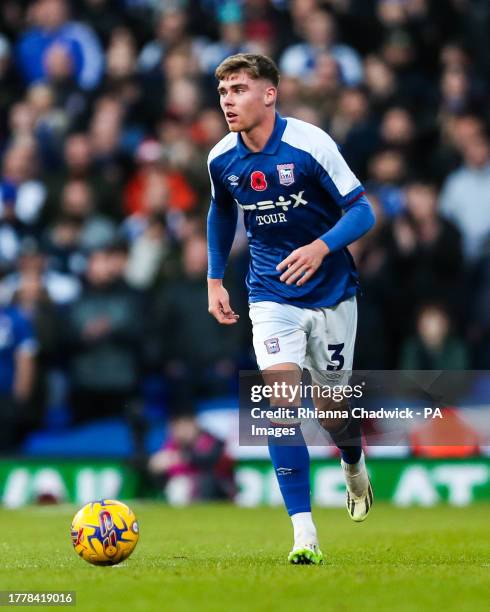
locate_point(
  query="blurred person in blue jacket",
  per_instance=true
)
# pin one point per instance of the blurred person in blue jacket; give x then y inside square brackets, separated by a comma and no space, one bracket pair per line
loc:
[53,28]
[17,373]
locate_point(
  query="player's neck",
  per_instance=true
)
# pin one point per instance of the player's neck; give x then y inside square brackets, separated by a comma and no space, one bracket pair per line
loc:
[256,138]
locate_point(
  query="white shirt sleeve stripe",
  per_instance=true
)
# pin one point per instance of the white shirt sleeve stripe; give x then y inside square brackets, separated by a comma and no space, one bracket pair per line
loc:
[224,145]
[322,148]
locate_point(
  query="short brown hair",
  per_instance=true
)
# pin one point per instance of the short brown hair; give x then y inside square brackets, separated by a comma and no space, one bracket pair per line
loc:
[256,66]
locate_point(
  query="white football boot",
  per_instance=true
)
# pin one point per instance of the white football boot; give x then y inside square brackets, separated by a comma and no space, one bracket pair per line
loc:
[359,494]
[305,549]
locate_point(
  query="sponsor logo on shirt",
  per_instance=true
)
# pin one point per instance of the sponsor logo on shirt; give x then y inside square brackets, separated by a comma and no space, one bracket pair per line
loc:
[233,178]
[294,200]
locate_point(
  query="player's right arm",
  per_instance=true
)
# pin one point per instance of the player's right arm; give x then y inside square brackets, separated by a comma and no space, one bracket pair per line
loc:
[222,219]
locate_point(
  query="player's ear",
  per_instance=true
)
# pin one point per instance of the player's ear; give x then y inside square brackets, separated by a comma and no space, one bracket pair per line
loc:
[270,95]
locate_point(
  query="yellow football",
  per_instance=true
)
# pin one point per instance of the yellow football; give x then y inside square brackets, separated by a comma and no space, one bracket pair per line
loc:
[104,532]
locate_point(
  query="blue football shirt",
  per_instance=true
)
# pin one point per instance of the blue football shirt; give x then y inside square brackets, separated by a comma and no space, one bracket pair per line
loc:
[291,193]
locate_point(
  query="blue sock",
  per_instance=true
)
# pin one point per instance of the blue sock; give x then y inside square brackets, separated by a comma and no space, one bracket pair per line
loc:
[348,440]
[291,461]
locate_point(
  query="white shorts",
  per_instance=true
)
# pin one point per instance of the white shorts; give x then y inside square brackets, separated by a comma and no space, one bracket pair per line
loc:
[318,339]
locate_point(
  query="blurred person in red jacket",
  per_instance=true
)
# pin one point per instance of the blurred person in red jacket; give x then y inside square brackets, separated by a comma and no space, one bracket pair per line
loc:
[154,187]
[193,464]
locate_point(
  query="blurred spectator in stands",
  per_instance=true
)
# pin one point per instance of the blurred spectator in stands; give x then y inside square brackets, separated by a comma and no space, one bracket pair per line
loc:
[434,347]
[453,56]
[103,338]
[392,14]
[61,288]
[78,164]
[288,95]
[456,95]
[12,230]
[354,130]
[300,10]
[475,21]
[77,202]
[183,100]
[192,465]
[381,83]
[17,371]
[12,16]
[465,197]
[155,187]
[231,39]
[20,168]
[52,28]
[187,148]
[147,252]
[10,89]
[397,131]
[68,96]
[424,250]
[446,154]
[415,18]
[462,130]
[266,27]
[170,30]
[53,116]
[172,55]
[118,251]
[387,171]
[197,354]
[399,51]
[21,123]
[121,79]
[438,261]
[323,90]
[107,138]
[103,15]
[178,143]
[318,29]
[209,128]
[179,63]
[34,303]
[62,245]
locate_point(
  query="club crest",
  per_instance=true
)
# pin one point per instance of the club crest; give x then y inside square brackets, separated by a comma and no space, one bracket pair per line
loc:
[258,181]
[286,173]
[272,345]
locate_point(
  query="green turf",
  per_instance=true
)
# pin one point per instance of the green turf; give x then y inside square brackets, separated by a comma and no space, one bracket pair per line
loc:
[226,558]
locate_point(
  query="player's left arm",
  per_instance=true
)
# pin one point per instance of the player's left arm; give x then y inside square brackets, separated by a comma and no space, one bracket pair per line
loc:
[332,171]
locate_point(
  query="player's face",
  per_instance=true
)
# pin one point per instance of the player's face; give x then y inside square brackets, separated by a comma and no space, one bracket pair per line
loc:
[244,101]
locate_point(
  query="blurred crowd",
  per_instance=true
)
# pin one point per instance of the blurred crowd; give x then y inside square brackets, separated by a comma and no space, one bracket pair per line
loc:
[108,109]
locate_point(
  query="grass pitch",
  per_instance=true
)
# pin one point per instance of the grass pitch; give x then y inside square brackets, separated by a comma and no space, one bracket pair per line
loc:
[223,558]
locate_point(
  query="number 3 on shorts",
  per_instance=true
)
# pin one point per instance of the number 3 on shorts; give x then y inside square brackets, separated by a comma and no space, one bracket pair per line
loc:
[336,356]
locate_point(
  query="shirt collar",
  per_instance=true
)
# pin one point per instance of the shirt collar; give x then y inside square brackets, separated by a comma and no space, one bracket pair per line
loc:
[271,145]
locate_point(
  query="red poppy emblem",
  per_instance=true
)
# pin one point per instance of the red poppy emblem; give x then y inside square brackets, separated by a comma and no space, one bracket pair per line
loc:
[257,180]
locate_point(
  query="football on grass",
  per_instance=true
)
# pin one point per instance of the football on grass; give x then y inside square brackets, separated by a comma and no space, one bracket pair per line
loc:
[104,532]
